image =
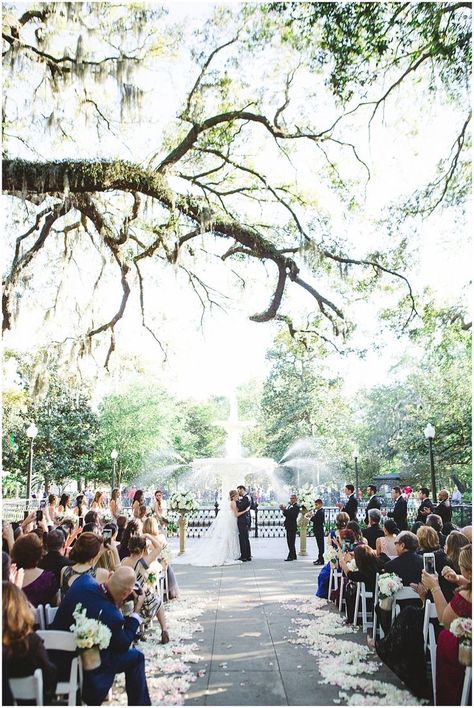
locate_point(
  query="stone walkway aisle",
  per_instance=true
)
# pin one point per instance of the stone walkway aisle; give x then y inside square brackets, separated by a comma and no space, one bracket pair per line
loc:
[247,658]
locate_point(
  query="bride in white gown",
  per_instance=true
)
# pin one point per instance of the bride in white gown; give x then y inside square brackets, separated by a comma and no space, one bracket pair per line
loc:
[220,543]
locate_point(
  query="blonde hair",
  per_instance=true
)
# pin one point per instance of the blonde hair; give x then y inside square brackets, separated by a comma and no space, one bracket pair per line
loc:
[150,525]
[233,493]
[465,562]
[107,560]
[428,538]
[18,619]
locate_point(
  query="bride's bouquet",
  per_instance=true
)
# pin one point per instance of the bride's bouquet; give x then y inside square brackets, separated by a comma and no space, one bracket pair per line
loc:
[183,502]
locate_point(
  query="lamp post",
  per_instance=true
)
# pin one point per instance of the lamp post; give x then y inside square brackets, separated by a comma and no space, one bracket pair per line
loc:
[429,432]
[31,432]
[113,455]
[356,469]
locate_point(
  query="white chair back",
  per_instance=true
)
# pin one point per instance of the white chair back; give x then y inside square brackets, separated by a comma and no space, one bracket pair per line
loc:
[362,596]
[429,641]
[64,641]
[376,599]
[405,593]
[49,615]
[39,617]
[29,688]
[466,688]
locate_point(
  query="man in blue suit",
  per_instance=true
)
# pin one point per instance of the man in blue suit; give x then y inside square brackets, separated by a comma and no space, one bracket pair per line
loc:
[102,602]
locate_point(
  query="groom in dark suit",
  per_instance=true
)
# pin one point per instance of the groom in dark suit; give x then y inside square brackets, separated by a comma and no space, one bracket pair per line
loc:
[243,523]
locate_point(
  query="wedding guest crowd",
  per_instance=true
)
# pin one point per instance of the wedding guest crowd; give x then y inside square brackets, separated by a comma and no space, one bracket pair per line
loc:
[63,555]
[388,547]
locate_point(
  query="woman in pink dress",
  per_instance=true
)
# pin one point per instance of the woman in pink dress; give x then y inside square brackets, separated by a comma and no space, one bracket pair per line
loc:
[449,672]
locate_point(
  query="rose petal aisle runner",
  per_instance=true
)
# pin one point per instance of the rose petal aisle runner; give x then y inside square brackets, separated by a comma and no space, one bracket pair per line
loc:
[169,666]
[342,662]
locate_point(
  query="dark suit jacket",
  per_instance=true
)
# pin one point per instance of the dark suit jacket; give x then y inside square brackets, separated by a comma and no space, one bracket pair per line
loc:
[408,567]
[373,503]
[90,594]
[243,521]
[399,513]
[351,507]
[372,533]
[318,522]
[291,514]
[427,504]
[444,510]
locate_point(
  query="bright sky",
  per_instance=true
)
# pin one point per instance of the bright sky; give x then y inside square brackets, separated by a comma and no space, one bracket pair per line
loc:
[230,349]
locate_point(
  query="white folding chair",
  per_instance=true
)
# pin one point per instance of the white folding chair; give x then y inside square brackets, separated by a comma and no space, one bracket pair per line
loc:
[29,688]
[49,615]
[466,687]
[64,641]
[362,596]
[405,593]
[429,641]
[376,600]
[39,617]
[342,599]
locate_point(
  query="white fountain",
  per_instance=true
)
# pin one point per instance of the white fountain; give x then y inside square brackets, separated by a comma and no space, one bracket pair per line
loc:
[232,469]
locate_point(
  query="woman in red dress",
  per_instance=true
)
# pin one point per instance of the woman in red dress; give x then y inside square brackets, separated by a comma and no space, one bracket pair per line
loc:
[449,672]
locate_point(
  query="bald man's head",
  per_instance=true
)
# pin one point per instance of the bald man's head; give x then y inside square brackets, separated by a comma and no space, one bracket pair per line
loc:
[120,584]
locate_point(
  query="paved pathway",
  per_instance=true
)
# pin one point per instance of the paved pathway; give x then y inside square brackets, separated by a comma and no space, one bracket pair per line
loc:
[247,657]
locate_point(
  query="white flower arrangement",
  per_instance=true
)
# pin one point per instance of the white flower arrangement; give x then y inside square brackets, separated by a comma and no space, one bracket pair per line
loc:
[352,567]
[462,629]
[305,497]
[183,502]
[89,632]
[107,518]
[330,555]
[389,584]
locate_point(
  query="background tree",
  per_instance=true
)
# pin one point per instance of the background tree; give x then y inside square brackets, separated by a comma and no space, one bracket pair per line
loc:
[202,187]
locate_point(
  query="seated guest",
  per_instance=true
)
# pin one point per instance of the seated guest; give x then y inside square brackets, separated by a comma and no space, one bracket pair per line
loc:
[103,602]
[40,586]
[444,509]
[342,519]
[447,528]
[368,565]
[407,565]
[92,517]
[449,672]
[417,525]
[109,558]
[355,528]
[467,531]
[54,559]
[454,544]
[84,556]
[428,543]
[23,650]
[131,530]
[435,522]
[121,523]
[143,560]
[373,531]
